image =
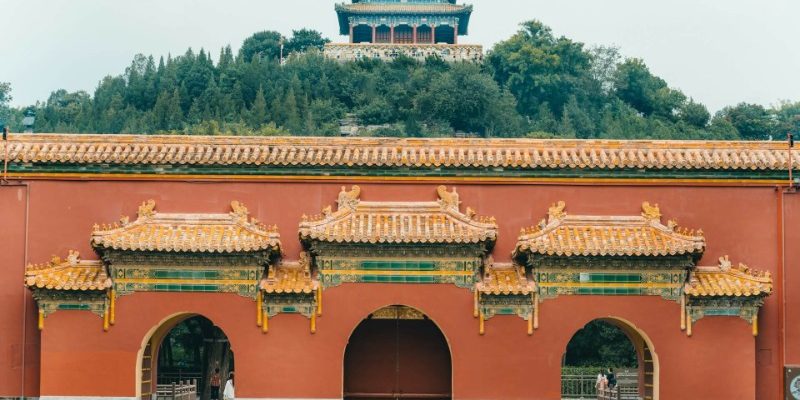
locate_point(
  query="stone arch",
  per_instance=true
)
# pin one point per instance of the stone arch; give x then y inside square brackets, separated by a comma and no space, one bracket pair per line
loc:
[397,349]
[648,363]
[147,355]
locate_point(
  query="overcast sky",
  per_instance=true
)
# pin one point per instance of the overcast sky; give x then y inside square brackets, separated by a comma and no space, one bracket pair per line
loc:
[720,52]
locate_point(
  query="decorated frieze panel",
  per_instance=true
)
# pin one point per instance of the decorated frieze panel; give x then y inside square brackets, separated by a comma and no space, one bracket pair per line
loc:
[96,302]
[239,280]
[50,301]
[174,260]
[520,305]
[538,262]
[667,284]
[396,251]
[292,303]
[745,308]
[411,20]
[460,272]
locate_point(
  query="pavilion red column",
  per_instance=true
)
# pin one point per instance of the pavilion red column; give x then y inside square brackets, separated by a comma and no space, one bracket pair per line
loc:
[351,33]
[455,34]
[433,34]
[414,34]
[391,34]
[374,34]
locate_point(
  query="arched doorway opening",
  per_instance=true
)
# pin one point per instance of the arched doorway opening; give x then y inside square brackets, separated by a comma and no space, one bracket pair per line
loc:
[362,34]
[609,343]
[181,356]
[383,34]
[397,352]
[403,34]
[424,34]
[445,34]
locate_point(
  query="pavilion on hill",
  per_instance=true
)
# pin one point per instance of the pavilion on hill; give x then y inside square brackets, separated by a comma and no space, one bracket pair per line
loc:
[416,28]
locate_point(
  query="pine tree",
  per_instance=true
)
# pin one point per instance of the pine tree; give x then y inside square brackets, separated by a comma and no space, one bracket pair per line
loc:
[258,112]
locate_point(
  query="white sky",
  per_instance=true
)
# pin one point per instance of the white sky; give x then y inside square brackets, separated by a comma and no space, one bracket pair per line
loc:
[720,52]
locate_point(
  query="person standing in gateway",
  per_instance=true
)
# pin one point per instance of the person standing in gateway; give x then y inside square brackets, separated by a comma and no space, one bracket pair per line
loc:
[228,394]
[215,384]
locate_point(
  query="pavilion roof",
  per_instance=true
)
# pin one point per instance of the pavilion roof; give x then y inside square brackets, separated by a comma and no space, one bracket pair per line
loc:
[582,235]
[290,277]
[71,273]
[430,222]
[505,279]
[462,11]
[125,151]
[728,280]
[204,233]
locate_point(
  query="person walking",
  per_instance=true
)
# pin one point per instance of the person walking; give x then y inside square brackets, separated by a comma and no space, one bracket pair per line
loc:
[228,394]
[216,382]
[612,379]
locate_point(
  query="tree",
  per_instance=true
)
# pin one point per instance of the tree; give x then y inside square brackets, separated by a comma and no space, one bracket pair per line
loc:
[537,67]
[258,112]
[752,121]
[647,93]
[305,39]
[265,45]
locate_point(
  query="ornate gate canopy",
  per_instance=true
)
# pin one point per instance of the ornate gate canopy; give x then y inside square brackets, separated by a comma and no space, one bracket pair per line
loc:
[609,255]
[398,242]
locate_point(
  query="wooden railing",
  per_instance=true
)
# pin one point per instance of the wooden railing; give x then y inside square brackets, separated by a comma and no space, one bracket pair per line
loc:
[182,390]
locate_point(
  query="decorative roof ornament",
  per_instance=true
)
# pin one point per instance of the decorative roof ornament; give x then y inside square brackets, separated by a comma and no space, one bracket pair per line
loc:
[235,231]
[347,199]
[556,211]
[439,221]
[147,209]
[71,273]
[651,212]
[586,235]
[449,199]
[725,279]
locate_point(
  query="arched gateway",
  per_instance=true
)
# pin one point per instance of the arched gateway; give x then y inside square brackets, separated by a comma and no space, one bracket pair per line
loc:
[397,352]
[636,378]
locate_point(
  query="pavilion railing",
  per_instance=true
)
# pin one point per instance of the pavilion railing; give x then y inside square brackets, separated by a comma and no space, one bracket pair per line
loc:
[181,390]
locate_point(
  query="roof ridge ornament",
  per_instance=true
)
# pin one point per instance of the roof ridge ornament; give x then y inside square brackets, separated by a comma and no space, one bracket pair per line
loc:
[448,199]
[347,199]
[651,212]
[556,211]
[147,209]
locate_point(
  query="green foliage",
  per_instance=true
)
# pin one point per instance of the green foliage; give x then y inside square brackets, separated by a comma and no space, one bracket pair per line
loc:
[533,84]
[304,40]
[600,344]
[265,45]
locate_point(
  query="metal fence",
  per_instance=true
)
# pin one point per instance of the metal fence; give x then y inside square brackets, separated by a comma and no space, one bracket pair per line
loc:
[582,386]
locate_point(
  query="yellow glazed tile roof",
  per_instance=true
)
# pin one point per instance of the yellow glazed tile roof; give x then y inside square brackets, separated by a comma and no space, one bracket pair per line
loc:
[394,152]
[290,277]
[70,274]
[641,235]
[505,278]
[211,233]
[728,280]
[357,221]
[372,8]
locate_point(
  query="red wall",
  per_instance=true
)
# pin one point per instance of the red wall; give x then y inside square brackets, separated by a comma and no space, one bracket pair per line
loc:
[19,362]
[505,363]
